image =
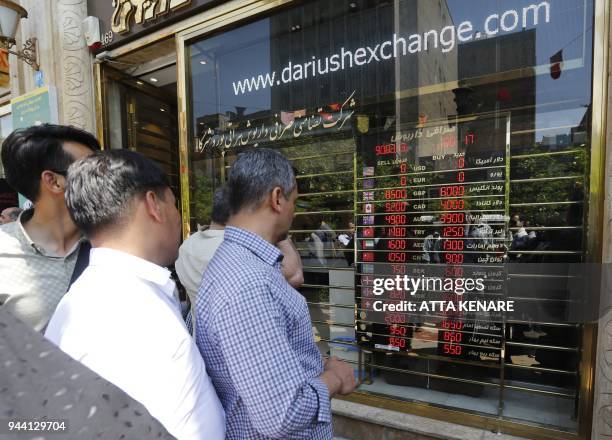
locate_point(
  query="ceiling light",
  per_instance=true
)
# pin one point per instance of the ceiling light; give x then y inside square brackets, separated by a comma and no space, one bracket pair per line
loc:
[203,62]
[162,109]
[139,82]
[153,79]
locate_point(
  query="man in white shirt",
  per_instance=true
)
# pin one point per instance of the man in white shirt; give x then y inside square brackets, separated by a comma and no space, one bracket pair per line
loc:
[121,318]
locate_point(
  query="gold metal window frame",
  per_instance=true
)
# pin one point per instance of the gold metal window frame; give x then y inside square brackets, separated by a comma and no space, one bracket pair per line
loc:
[236,11]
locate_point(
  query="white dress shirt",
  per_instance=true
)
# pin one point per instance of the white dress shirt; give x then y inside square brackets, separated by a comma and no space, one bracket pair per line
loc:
[122,320]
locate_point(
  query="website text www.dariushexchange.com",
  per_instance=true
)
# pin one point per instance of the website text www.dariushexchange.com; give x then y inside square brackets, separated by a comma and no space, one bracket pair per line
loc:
[444,39]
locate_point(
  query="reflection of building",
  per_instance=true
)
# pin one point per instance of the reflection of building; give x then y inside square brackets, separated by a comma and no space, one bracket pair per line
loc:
[501,54]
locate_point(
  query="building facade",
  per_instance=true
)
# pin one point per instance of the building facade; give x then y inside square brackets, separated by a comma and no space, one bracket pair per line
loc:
[429,138]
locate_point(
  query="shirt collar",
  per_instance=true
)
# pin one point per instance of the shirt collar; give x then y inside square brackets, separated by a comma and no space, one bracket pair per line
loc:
[135,266]
[25,216]
[261,248]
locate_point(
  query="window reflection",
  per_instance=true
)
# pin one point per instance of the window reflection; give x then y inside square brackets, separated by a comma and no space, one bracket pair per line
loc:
[426,136]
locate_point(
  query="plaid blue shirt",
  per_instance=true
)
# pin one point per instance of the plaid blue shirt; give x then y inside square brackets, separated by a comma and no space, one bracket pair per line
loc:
[254,332]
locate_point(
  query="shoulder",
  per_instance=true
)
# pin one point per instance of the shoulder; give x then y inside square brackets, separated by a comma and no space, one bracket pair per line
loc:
[9,236]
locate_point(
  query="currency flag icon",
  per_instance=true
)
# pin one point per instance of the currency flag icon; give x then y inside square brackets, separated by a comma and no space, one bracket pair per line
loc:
[368,196]
[368,220]
[367,256]
[367,268]
[368,208]
[368,171]
[368,232]
[367,244]
[367,291]
[367,280]
[368,183]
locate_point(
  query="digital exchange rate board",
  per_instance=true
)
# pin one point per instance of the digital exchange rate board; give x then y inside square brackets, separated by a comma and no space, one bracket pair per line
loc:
[432,202]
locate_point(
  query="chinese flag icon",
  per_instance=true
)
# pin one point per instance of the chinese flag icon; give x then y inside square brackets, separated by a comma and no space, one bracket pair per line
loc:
[367,256]
[556,62]
[368,232]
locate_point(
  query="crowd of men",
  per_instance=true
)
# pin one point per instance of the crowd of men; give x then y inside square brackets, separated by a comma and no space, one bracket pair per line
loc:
[88,267]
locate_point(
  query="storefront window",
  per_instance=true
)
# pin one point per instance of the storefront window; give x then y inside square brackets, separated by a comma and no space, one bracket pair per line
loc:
[427,136]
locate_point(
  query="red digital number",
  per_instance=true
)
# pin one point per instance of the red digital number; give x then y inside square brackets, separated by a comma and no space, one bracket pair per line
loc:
[461,176]
[453,204]
[394,194]
[398,269]
[452,191]
[397,294]
[461,162]
[396,257]
[453,231]
[453,258]
[403,181]
[453,217]
[453,245]
[397,342]
[448,141]
[396,244]
[453,271]
[396,206]
[395,219]
[396,232]
[452,325]
[382,150]
[395,318]
[469,139]
[452,337]
[403,167]
[397,330]
[454,350]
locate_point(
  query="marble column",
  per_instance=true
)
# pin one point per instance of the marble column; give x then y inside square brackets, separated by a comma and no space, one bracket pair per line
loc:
[602,406]
[64,58]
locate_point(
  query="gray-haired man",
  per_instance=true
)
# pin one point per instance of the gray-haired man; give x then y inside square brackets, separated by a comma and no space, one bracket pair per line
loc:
[253,329]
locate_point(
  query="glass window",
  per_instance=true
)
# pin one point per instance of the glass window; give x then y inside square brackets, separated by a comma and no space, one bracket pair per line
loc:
[428,137]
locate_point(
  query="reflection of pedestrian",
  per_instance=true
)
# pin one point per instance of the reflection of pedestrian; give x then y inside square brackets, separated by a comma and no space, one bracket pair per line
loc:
[432,248]
[348,241]
[322,242]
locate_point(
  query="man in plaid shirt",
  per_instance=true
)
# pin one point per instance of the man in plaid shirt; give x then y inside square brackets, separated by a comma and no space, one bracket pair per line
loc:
[253,329]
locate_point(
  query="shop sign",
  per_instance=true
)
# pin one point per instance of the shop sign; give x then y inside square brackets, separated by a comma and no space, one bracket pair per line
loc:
[35,108]
[122,19]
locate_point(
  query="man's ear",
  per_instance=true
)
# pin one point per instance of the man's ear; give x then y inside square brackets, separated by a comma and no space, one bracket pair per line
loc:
[276,199]
[152,205]
[53,183]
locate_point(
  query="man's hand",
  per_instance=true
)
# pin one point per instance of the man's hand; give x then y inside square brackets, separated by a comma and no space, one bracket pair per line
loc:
[344,372]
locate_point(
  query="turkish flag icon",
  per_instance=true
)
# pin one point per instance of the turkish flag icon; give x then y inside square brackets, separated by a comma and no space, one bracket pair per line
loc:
[556,62]
[367,256]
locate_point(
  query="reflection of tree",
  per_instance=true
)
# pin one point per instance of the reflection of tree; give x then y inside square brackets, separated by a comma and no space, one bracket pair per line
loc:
[550,191]
[202,196]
